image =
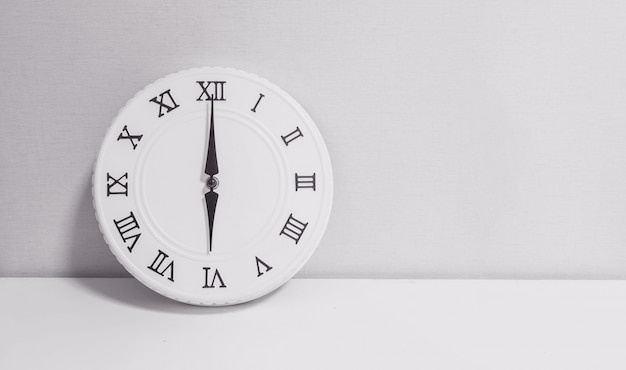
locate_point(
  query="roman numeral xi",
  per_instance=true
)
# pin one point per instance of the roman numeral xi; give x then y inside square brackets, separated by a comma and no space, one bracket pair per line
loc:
[293,228]
[128,229]
[166,102]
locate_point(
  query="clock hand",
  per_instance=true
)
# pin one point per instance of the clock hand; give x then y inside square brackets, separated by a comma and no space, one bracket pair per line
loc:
[211,157]
[211,169]
[211,202]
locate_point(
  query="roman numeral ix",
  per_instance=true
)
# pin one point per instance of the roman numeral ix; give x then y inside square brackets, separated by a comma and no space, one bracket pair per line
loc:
[125,135]
[293,228]
[211,90]
[216,276]
[165,101]
[293,135]
[305,182]
[128,229]
[157,265]
[115,186]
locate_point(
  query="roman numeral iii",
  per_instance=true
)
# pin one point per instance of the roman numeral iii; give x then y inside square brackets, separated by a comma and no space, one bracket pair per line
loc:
[216,276]
[117,186]
[165,101]
[293,135]
[124,135]
[293,228]
[305,182]
[128,228]
[211,90]
[158,267]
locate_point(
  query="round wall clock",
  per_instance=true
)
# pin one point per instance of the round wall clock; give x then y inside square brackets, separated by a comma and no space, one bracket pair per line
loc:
[213,186]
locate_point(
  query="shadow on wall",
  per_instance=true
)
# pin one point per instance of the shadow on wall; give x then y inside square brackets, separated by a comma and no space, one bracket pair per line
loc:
[88,253]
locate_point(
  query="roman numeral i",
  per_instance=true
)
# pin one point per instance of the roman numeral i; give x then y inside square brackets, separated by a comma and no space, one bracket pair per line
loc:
[127,228]
[165,101]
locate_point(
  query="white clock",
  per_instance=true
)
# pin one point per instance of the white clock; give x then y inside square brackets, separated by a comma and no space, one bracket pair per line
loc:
[213,186]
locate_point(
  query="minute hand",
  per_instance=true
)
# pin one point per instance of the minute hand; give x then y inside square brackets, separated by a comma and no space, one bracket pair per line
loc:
[211,168]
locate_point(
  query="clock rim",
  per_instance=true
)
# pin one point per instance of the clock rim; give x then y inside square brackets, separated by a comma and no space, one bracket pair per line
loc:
[294,266]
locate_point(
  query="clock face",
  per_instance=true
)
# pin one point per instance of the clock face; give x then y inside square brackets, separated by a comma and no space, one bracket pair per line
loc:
[212,186]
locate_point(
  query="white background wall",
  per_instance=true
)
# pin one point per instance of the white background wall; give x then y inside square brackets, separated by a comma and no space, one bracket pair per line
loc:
[468,138]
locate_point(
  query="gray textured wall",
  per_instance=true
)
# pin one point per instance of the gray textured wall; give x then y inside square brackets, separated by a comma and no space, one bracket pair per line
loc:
[469,138]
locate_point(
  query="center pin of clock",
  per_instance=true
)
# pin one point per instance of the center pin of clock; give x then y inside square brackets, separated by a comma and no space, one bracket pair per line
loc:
[212,182]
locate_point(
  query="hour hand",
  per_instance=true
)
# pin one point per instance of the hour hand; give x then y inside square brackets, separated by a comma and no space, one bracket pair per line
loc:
[211,168]
[211,203]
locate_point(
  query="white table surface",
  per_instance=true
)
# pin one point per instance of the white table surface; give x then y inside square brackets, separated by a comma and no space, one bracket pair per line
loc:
[317,324]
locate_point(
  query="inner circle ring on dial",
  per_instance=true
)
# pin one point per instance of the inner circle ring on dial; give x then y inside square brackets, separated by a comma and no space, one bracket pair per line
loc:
[142,204]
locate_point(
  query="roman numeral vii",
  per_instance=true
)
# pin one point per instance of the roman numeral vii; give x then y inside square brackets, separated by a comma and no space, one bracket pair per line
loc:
[158,267]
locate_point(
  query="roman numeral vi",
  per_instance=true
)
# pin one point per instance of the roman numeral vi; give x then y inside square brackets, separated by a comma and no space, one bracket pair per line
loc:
[216,276]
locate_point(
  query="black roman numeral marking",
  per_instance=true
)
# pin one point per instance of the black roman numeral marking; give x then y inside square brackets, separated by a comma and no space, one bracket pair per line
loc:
[293,135]
[157,264]
[127,228]
[216,276]
[216,88]
[168,106]
[305,182]
[258,266]
[293,228]
[115,186]
[261,96]
[125,135]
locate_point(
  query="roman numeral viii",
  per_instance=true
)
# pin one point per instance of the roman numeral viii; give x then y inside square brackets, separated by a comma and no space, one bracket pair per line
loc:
[117,186]
[165,101]
[216,276]
[158,267]
[128,229]
[293,228]
[211,90]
